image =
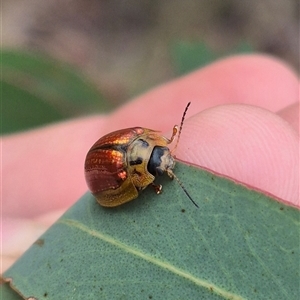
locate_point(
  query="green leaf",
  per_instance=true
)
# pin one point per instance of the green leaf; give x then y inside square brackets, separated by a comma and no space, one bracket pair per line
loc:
[189,56]
[37,90]
[6,293]
[23,110]
[239,244]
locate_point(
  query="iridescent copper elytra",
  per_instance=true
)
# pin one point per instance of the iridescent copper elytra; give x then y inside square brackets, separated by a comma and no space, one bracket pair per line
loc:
[124,162]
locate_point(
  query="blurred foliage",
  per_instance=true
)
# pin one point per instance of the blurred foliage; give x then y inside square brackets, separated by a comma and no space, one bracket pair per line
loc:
[189,56]
[37,90]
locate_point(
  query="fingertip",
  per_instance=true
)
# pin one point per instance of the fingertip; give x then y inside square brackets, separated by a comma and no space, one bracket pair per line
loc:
[259,80]
[291,115]
[247,143]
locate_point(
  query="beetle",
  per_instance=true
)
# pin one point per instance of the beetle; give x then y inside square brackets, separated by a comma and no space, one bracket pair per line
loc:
[124,162]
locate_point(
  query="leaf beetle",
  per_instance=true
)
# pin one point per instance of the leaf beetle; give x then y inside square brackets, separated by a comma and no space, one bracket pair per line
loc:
[124,162]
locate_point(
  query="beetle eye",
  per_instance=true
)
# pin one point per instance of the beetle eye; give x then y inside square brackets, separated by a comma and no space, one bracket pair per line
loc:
[155,166]
[155,160]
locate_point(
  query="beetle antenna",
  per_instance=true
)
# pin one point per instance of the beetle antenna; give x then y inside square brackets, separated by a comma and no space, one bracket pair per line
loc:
[172,175]
[181,125]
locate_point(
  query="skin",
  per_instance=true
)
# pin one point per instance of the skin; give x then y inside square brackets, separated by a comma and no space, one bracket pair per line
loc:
[243,123]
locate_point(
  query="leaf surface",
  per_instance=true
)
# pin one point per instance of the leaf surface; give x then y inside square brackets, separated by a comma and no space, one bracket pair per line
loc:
[239,244]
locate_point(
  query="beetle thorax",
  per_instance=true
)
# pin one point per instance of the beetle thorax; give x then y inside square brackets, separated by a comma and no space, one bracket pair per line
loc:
[138,152]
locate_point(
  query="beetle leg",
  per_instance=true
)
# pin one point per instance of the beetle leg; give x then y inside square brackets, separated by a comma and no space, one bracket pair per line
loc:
[157,188]
[170,173]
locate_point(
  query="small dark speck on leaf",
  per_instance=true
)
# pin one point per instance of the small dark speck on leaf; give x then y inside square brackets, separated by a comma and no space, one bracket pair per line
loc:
[45,294]
[183,210]
[150,297]
[157,225]
[40,242]
[281,208]
[292,252]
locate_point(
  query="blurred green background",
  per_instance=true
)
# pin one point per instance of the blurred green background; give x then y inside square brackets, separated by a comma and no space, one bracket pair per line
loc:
[62,59]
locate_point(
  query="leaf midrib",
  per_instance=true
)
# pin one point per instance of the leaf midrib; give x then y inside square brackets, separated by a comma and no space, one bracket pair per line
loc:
[162,264]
